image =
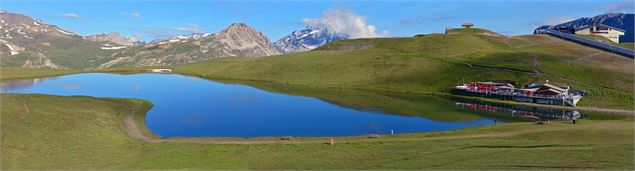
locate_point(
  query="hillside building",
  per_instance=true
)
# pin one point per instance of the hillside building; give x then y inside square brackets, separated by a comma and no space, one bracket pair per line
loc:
[467,25]
[543,93]
[609,32]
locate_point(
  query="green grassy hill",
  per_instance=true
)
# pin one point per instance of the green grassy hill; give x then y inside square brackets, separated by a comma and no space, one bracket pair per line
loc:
[470,31]
[437,62]
[606,40]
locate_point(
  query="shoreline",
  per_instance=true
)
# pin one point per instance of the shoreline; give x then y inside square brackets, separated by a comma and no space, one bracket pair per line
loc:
[125,71]
[136,129]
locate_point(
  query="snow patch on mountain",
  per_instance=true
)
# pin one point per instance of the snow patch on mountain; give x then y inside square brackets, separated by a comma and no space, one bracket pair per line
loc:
[305,40]
[65,32]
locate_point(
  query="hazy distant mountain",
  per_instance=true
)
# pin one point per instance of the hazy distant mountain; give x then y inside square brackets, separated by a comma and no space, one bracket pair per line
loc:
[180,38]
[236,40]
[305,40]
[625,22]
[114,37]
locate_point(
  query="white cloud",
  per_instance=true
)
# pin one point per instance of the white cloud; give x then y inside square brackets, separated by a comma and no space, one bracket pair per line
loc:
[194,28]
[71,15]
[344,21]
[133,14]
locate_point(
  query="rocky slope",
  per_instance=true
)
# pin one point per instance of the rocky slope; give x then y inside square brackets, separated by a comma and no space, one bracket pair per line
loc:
[305,40]
[29,43]
[241,40]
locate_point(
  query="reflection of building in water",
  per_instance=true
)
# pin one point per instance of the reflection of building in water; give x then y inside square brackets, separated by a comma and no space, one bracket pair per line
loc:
[21,84]
[524,111]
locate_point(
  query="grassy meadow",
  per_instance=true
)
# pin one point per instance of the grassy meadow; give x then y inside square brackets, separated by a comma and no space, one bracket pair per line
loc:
[78,132]
[606,40]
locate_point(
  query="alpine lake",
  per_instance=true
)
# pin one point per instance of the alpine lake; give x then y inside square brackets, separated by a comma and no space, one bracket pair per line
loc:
[194,107]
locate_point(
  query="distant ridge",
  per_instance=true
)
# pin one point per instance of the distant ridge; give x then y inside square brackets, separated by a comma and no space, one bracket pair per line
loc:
[114,37]
[618,20]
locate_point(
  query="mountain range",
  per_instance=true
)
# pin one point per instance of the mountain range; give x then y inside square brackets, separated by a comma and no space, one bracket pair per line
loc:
[307,39]
[29,43]
[236,40]
[625,22]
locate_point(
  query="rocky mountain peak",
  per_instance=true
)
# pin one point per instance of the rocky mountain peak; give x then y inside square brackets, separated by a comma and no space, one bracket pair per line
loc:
[238,28]
[243,38]
[305,40]
[13,25]
[13,19]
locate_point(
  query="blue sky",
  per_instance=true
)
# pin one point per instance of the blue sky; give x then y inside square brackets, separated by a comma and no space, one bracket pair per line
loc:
[152,19]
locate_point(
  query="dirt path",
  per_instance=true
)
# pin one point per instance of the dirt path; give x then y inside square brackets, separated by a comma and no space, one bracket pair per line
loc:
[615,111]
[536,64]
[535,44]
[133,130]
[21,117]
[26,111]
[383,138]
[585,57]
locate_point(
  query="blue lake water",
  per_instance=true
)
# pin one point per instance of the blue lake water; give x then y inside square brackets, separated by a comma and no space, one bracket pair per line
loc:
[194,107]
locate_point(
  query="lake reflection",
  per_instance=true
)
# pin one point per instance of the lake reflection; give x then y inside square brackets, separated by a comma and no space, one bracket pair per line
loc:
[22,84]
[521,112]
[193,107]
